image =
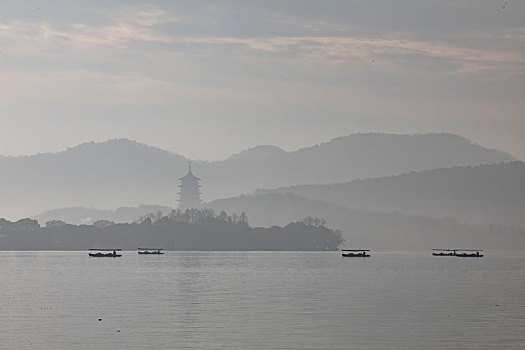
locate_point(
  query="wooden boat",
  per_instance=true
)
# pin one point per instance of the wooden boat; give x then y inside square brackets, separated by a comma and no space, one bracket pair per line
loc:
[157,251]
[444,252]
[111,253]
[469,253]
[462,253]
[355,253]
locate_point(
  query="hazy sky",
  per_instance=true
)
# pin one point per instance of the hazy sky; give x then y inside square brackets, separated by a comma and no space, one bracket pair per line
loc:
[206,78]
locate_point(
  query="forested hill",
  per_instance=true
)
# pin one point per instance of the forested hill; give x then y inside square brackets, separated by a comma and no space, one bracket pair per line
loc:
[125,173]
[190,230]
[487,194]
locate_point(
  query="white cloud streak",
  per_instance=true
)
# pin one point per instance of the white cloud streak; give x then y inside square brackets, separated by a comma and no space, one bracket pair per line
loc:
[124,28]
[341,50]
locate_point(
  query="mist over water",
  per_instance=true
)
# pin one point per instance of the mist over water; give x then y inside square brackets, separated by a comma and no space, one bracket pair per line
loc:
[261,300]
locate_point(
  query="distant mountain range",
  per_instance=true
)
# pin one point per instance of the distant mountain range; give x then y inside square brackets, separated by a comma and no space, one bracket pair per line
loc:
[458,206]
[379,230]
[485,194]
[125,173]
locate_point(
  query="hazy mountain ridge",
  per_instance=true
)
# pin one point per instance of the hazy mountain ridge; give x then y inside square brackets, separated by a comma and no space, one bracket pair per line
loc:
[343,159]
[392,230]
[92,174]
[259,152]
[123,172]
[485,194]
[377,155]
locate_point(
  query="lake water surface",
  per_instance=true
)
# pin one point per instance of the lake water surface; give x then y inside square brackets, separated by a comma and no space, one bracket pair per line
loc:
[261,300]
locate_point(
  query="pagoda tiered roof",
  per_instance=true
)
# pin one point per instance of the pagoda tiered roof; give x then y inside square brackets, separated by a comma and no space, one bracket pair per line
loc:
[189,195]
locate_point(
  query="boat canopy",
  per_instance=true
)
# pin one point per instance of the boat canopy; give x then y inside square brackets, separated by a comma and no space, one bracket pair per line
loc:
[355,250]
[458,250]
[105,250]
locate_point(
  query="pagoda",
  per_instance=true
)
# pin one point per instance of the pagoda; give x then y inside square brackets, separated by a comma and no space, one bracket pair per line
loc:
[190,194]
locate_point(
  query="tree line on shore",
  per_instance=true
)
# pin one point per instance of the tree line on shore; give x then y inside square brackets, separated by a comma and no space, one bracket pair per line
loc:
[192,229]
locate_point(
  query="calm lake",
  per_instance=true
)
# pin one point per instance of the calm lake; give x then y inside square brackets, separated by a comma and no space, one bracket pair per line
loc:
[261,300]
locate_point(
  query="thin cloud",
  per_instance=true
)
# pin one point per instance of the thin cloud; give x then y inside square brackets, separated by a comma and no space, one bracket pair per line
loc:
[136,26]
[512,34]
[338,50]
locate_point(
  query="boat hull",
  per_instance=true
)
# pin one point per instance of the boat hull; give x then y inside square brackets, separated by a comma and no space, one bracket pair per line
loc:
[351,255]
[102,255]
[469,255]
[460,255]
